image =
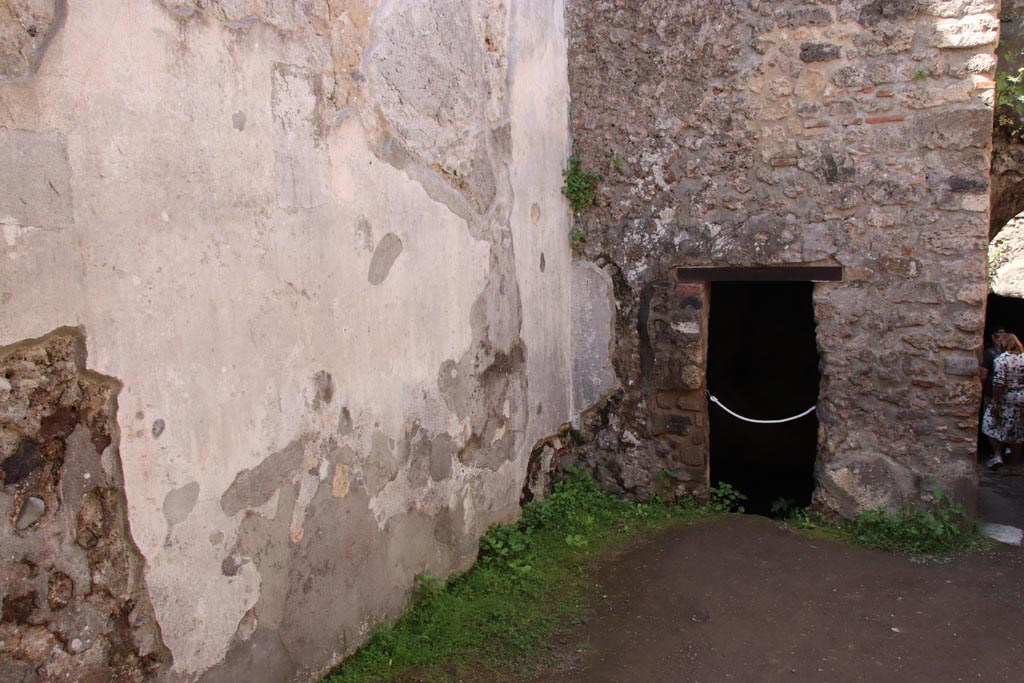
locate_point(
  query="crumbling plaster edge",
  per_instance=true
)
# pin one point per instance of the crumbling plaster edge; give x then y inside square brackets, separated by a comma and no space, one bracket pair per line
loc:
[59,17]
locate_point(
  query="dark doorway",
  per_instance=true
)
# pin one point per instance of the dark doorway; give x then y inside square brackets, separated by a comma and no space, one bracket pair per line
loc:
[1005,312]
[1000,312]
[763,364]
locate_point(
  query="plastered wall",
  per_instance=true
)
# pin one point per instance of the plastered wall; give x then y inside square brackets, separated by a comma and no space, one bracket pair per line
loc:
[316,252]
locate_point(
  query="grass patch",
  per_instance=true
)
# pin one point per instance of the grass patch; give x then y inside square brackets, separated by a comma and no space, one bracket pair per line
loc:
[938,531]
[530,579]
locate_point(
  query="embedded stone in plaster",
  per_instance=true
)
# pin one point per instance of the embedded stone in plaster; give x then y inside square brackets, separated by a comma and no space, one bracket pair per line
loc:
[384,256]
[32,510]
[60,590]
[35,179]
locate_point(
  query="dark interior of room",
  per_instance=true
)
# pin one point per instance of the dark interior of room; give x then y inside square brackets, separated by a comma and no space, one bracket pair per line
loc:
[763,364]
[1006,312]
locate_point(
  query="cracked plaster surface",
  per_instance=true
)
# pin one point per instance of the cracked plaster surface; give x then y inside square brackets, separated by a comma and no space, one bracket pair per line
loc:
[377,372]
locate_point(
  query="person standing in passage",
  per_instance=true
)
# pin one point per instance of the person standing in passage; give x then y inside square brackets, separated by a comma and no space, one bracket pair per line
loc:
[986,370]
[1002,421]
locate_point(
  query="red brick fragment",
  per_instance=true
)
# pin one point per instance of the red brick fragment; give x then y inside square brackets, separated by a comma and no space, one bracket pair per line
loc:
[890,118]
[689,289]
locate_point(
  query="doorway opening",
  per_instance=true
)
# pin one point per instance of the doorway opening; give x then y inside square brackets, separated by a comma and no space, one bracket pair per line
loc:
[763,364]
[1000,493]
[1006,312]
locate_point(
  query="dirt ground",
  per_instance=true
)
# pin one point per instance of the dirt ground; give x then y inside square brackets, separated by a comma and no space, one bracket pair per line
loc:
[741,598]
[1001,495]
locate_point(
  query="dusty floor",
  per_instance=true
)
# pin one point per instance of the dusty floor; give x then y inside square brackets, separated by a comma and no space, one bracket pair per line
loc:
[1001,495]
[742,598]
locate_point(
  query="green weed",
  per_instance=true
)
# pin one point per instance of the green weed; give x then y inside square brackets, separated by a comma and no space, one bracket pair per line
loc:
[941,529]
[580,186]
[667,475]
[723,497]
[426,586]
[577,237]
[1009,100]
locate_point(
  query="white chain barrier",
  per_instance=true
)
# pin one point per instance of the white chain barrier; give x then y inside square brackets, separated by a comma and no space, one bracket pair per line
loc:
[721,405]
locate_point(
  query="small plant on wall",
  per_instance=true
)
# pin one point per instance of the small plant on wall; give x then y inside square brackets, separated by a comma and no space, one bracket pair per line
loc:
[576,238]
[580,186]
[1010,102]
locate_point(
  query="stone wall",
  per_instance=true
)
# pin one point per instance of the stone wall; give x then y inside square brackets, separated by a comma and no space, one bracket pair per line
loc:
[743,132]
[316,252]
[75,605]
